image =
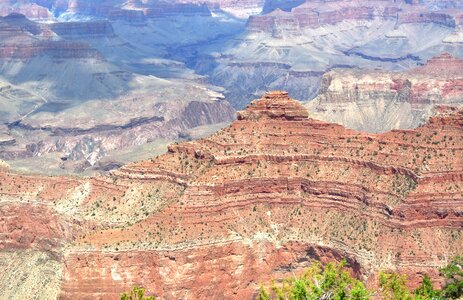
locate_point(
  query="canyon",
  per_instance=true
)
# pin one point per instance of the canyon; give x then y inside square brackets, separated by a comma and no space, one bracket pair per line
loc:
[291,47]
[131,153]
[259,199]
[47,117]
[153,66]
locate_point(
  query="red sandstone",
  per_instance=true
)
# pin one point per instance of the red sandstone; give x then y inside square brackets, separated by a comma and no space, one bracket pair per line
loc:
[261,198]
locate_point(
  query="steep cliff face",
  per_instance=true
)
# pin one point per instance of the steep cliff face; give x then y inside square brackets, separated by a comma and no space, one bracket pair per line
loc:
[263,197]
[379,101]
[83,30]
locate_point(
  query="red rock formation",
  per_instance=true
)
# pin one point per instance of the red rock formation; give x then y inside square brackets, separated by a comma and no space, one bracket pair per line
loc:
[274,105]
[203,271]
[383,100]
[314,14]
[24,39]
[260,199]
[444,65]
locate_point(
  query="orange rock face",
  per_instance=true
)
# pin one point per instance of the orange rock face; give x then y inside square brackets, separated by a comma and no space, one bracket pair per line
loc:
[274,105]
[258,200]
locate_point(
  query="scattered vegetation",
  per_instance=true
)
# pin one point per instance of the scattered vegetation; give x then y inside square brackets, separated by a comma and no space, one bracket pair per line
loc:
[333,281]
[453,274]
[137,293]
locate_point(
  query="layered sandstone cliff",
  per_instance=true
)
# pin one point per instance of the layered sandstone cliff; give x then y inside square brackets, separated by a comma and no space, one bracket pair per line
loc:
[300,15]
[378,101]
[213,218]
[23,40]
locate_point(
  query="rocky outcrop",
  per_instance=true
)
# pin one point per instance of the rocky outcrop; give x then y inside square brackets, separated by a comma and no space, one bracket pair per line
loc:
[261,198]
[314,14]
[380,101]
[443,66]
[274,105]
[225,271]
[440,18]
[30,9]
[82,30]
[23,39]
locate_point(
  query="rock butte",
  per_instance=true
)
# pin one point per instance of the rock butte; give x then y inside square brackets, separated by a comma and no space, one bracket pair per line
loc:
[274,105]
[119,50]
[260,199]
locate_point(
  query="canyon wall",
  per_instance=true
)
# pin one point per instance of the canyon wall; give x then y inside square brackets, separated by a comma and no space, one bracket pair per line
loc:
[69,98]
[259,199]
[378,101]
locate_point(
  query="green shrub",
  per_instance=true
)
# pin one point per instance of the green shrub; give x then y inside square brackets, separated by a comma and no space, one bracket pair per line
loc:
[426,290]
[137,293]
[331,281]
[453,274]
[394,286]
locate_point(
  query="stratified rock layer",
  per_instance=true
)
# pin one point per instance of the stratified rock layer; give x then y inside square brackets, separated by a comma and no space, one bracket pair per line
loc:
[274,105]
[262,198]
[300,14]
[378,101]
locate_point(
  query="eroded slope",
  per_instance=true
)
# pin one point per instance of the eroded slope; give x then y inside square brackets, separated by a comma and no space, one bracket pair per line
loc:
[261,198]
